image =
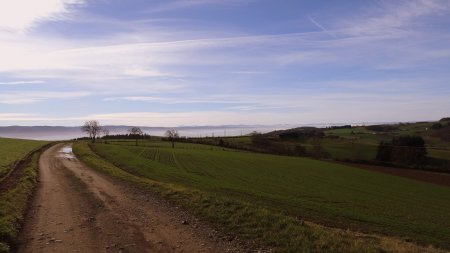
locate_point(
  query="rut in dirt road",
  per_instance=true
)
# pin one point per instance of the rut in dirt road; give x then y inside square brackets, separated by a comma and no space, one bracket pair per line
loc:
[76,209]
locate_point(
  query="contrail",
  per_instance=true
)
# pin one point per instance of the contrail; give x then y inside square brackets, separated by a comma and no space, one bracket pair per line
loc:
[322,28]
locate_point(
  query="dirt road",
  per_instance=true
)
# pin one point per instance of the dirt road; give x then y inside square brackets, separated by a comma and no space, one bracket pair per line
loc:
[76,209]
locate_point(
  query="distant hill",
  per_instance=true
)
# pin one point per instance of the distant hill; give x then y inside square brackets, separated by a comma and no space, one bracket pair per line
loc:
[40,132]
[65,133]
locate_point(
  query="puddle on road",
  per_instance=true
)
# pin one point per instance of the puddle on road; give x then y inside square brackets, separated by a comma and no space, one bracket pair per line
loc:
[66,152]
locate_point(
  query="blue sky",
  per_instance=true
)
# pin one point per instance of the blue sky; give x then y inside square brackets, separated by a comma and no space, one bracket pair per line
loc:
[214,62]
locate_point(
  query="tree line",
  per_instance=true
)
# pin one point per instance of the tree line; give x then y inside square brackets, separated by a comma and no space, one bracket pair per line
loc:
[406,150]
[95,131]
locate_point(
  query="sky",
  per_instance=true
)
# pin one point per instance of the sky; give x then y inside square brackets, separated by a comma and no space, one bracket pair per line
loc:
[223,62]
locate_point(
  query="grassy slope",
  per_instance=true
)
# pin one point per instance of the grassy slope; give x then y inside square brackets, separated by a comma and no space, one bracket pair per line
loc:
[332,194]
[358,143]
[12,150]
[13,204]
[365,142]
[277,230]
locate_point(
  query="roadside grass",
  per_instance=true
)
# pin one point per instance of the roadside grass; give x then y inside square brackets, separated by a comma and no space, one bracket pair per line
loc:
[12,150]
[248,212]
[13,204]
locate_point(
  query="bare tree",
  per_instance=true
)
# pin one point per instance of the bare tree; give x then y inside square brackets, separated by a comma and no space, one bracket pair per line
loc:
[93,128]
[172,134]
[105,132]
[136,132]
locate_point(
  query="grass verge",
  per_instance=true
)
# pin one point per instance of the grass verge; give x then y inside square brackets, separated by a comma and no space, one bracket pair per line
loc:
[13,205]
[12,150]
[274,230]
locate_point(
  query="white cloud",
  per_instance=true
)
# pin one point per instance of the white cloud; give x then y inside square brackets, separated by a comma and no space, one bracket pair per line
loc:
[33,58]
[298,107]
[193,63]
[139,71]
[38,96]
[356,112]
[136,98]
[20,15]
[188,118]
[341,95]
[393,16]
[117,66]
[22,82]
[15,116]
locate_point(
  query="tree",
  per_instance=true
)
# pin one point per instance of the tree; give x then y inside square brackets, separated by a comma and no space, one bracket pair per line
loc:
[136,132]
[436,126]
[261,141]
[384,152]
[92,128]
[289,135]
[408,150]
[254,133]
[299,150]
[172,134]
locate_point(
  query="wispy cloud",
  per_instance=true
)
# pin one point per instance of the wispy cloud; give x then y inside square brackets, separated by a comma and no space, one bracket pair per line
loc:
[138,71]
[353,61]
[174,59]
[136,98]
[249,72]
[181,4]
[15,116]
[22,82]
[38,96]
[125,60]
[390,93]
[394,16]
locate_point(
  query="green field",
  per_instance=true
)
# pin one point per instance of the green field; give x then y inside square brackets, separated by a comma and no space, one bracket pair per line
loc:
[12,150]
[14,199]
[354,144]
[358,143]
[327,193]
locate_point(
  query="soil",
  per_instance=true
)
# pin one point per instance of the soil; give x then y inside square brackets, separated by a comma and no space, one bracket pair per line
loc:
[76,209]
